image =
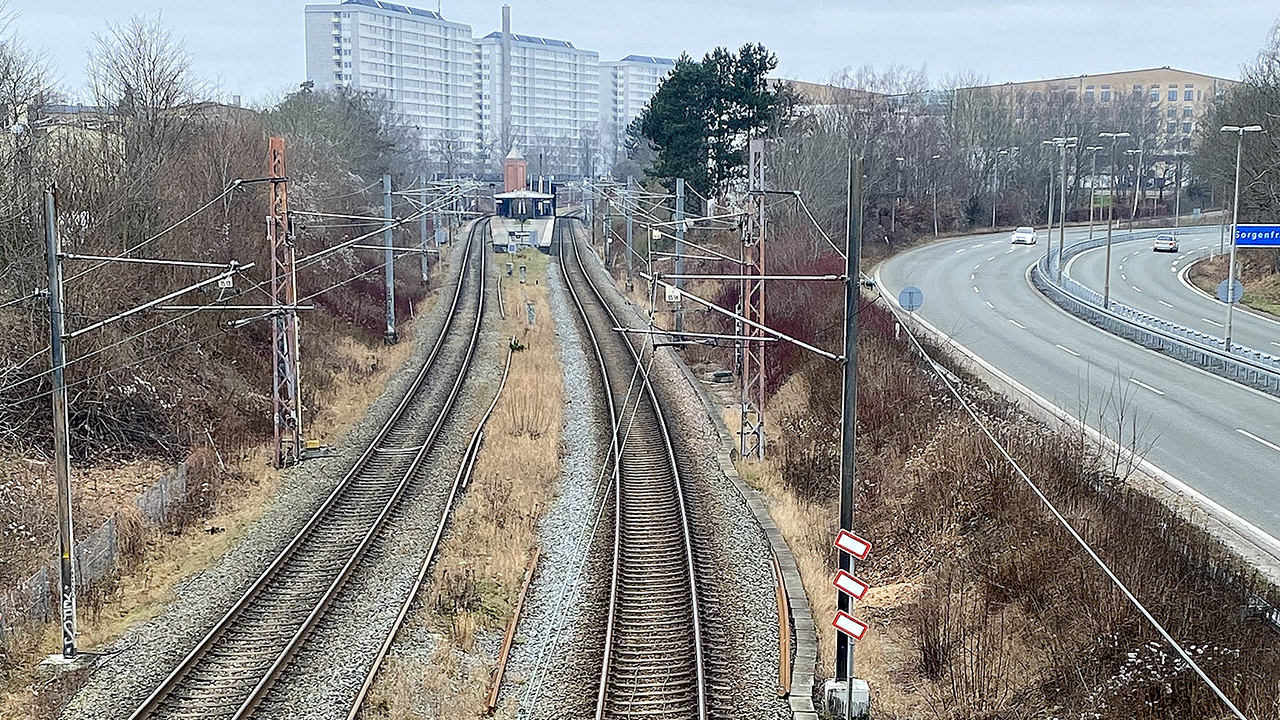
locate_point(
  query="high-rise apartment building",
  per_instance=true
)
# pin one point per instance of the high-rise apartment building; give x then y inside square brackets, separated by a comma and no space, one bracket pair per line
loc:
[473,100]
[422,64]
[626,86]
[548,105]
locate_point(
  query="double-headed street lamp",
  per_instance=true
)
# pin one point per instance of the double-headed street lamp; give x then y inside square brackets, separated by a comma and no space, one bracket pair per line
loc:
[1235,221]
[1062,143]
[1177,187]
[1137,181]
[995,183]
[1093,183]
[1111,211]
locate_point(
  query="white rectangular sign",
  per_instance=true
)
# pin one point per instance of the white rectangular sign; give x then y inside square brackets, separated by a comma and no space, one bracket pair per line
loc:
[849,625]
[853,544]
[673,294]
[850,585]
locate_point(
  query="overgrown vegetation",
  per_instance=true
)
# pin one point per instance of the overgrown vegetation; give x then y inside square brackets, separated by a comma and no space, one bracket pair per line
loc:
[478,574]
[149,169]
[983,605]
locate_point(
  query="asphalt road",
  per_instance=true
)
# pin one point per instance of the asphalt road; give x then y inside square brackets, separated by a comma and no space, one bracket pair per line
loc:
[1217,437]
[1154,282]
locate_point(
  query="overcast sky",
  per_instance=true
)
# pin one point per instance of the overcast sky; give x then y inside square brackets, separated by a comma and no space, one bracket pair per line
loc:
[254,48]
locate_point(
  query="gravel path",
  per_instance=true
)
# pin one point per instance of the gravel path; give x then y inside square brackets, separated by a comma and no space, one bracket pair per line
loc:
[143,656]
[546,677]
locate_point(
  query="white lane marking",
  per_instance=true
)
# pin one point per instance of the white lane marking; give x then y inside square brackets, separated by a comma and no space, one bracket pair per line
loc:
[1135,287]
[975,267]
[1121,266]
[960,251]
[975,288]
[1009,251]
[979,245]
[1015,322]
[1212,322]
[993,257]
[1068,350]
[1123,276]
[1164,303]
[993,307]
[1141,384]
[1275,343]
[1251,436]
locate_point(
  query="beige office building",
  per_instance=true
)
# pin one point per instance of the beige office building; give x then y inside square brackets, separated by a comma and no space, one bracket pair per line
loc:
[1176,99]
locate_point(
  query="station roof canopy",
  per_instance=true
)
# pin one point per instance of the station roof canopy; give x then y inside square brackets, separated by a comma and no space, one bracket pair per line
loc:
[518,194]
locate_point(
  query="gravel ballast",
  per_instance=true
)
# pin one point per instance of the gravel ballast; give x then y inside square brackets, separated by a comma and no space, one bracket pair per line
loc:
[139,660]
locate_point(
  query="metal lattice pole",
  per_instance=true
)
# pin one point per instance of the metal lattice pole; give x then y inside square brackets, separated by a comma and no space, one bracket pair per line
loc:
[286,398]
[751,431]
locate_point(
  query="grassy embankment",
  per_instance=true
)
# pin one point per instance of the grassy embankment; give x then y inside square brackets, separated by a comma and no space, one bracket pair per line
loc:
[981,605]
[153,560]
[480,568]
[1256,272]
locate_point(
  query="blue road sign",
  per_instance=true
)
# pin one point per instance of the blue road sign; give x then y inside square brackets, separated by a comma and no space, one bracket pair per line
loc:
[1236,291]
[911,298]
[1259,236]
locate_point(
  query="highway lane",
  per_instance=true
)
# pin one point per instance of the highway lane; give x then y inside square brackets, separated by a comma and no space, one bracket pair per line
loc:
[1217,437]
[1151,282]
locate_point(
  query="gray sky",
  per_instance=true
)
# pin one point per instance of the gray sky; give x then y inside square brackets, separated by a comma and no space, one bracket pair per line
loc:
[254,48]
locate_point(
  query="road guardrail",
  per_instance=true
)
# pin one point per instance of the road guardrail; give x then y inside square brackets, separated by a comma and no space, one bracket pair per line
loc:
[1245,365]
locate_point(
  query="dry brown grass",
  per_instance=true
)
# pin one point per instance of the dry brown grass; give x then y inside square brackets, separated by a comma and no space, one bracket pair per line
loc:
[154,560]
[981,606]
[478,573]
[1257,273]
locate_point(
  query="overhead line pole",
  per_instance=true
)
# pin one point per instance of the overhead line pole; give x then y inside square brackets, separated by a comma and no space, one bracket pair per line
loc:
[849,416]
[285,377]
[61,427]
[679,319]
[423,229]
[389,269]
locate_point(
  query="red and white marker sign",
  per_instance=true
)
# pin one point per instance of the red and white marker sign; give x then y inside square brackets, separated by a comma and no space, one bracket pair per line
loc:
[850,585]
[853,544]
[849,625]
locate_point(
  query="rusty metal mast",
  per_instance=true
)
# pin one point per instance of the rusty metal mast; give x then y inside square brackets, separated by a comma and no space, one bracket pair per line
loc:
[286,396]
[751,437]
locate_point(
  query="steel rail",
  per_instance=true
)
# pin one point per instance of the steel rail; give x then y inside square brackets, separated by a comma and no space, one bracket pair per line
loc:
[175,678]
[646,395]
[460,481]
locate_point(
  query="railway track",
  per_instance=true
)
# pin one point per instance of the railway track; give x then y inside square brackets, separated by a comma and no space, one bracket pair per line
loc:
[237,662]
[653,665]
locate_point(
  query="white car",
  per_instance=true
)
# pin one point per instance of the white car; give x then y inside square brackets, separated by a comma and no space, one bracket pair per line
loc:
[1024,236]
[1165,243]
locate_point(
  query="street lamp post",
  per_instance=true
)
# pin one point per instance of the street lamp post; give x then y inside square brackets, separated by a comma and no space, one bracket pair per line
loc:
[1093,183]
[897,188]
[995,185]
[1177,188]
[1137,182]
[1066,144]
[1111,211]
[935,195]
[1235,221]
[1048,246]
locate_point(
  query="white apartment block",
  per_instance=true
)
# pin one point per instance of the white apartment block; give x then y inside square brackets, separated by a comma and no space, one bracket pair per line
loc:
[423,65]
[473,100]
[627,84]
[549,107]
[625,88]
